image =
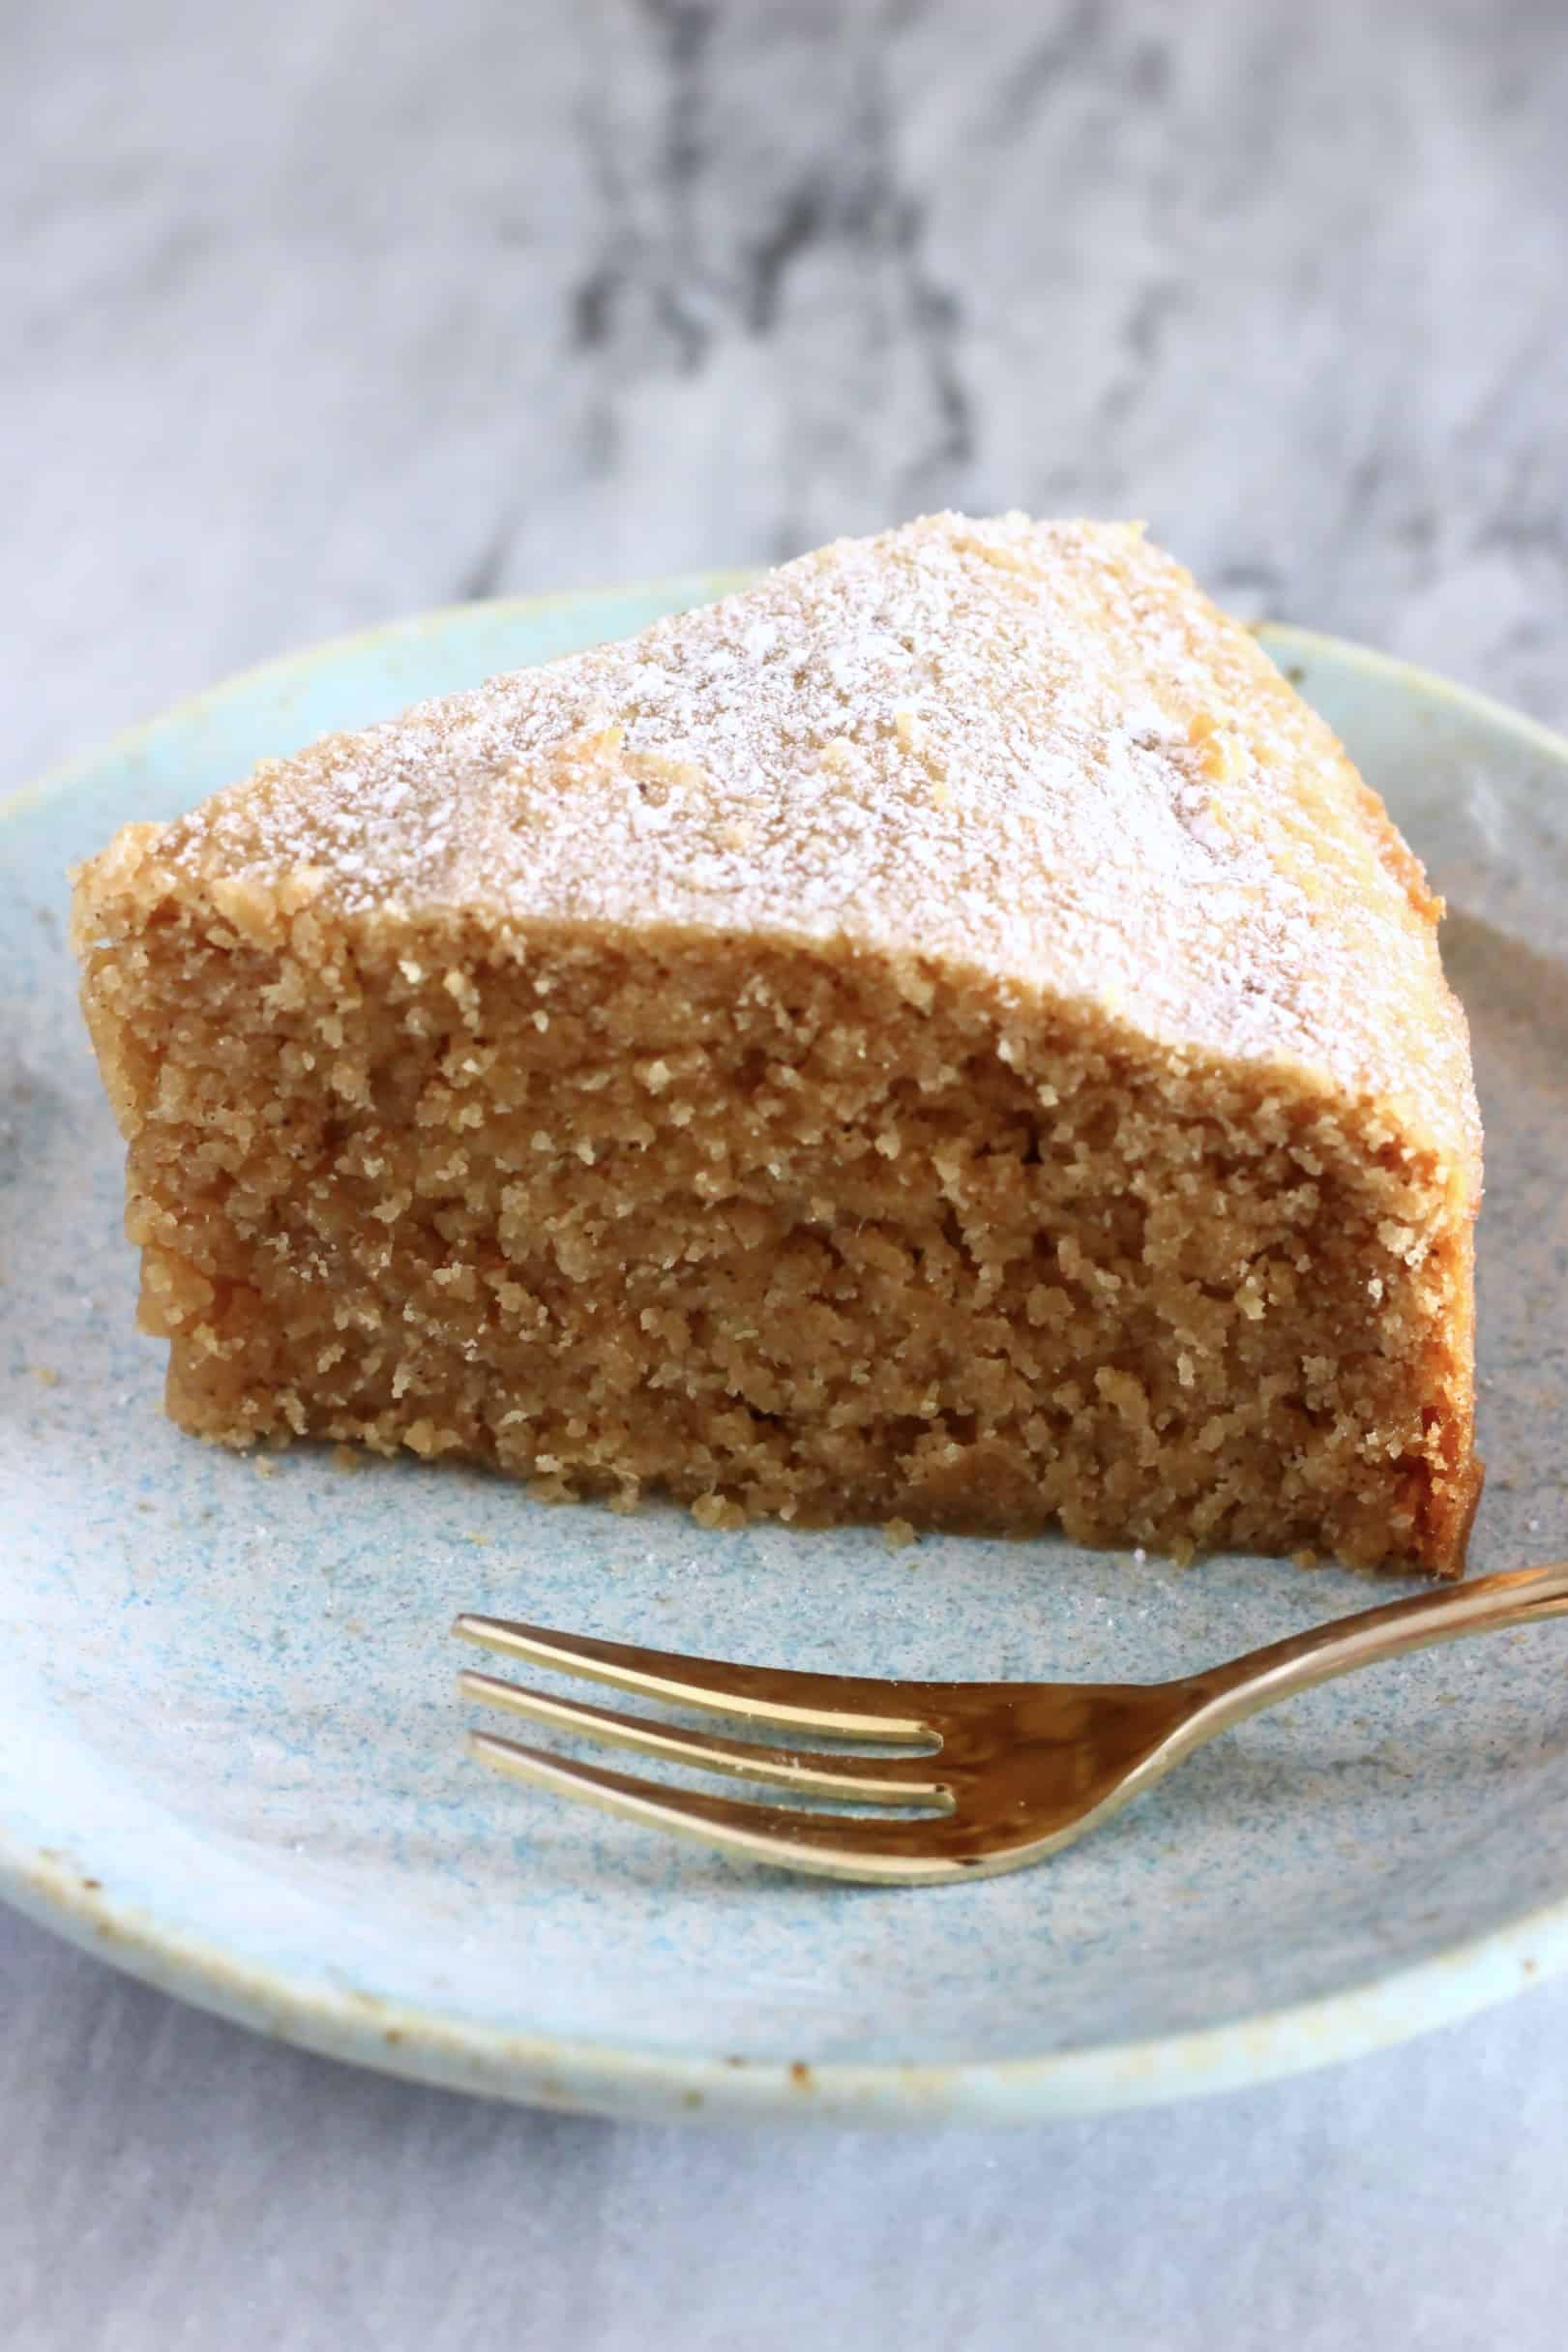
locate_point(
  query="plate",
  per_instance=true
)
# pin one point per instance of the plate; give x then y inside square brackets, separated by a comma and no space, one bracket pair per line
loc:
[232,1758]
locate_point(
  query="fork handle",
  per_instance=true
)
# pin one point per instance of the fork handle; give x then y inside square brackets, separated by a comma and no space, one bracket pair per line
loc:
[1263,1676]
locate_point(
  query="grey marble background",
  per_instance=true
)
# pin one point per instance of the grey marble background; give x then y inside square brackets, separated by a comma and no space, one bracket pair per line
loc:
[322,311]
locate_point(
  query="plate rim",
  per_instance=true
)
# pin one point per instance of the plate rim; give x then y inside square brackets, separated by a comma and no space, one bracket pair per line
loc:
[423,2043]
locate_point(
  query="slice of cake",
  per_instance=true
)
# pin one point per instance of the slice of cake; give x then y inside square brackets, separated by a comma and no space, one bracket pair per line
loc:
[943,1036]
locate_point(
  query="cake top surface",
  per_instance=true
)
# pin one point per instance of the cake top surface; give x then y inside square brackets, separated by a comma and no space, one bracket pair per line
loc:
[1029,749]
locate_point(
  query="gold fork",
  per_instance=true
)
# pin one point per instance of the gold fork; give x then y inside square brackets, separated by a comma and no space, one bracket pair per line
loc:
[1004,1772]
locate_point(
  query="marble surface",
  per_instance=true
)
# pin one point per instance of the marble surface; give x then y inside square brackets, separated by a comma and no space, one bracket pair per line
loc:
[328,312]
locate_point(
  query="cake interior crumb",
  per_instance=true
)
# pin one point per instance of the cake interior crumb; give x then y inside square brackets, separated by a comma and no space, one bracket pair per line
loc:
[779,1235]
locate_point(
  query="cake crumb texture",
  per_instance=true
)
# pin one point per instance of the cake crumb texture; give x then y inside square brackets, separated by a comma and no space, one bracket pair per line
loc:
[944,1037]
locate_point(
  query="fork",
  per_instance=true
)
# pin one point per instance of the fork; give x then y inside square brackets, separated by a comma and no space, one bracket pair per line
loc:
[1002,1773]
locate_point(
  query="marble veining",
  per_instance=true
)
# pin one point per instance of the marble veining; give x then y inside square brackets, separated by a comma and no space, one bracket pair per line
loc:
[335,317]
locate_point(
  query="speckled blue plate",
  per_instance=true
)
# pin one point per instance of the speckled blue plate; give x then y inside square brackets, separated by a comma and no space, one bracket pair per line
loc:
[232,1758]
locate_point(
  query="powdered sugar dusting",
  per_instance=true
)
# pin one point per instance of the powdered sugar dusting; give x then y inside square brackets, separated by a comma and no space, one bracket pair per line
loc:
[1030,749]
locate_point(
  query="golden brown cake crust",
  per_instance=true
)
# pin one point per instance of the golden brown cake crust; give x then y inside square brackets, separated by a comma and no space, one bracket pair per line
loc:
[1030,811]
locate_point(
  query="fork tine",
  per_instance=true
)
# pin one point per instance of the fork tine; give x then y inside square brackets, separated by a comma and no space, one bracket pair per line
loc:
[854,1704]
[871,1779]
[834,1846]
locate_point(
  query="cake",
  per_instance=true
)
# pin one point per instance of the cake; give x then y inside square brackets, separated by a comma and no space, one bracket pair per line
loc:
[943,1036]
